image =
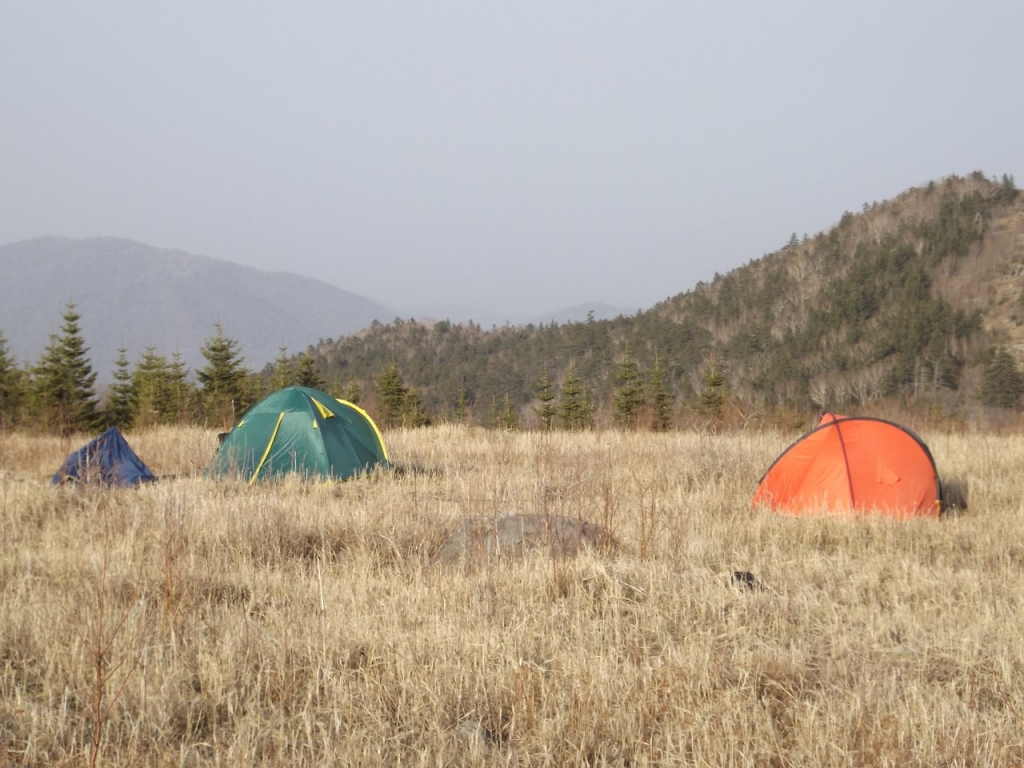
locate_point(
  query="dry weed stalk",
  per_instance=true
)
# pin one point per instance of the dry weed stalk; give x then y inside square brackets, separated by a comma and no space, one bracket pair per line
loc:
[113,647]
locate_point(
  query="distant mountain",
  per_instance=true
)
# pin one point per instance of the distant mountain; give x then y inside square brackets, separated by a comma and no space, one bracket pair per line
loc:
[134,295]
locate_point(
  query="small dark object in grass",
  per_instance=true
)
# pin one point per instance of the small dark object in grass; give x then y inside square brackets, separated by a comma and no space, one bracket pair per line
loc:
[748,580]
[954,495]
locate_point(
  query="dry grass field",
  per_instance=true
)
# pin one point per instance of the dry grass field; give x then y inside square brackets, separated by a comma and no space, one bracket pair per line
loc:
[194,623]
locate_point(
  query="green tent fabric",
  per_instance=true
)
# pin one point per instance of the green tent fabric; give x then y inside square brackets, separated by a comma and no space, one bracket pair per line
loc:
[304,431]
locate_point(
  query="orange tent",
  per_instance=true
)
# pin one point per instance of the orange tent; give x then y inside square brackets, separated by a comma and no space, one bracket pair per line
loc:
[854,464]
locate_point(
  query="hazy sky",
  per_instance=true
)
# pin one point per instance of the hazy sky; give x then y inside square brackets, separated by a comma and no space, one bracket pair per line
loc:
[520,157]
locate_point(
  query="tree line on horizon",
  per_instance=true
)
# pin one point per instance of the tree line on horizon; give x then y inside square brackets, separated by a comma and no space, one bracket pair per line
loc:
[856,318]
[58,393]
[843,320]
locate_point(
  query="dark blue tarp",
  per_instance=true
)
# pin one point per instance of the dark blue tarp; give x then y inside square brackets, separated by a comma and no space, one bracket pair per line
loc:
[107,460]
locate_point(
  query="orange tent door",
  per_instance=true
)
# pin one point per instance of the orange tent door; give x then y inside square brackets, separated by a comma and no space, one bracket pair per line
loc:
[853,464]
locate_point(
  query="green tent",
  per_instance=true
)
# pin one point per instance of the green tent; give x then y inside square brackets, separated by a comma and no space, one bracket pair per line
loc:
[300,430]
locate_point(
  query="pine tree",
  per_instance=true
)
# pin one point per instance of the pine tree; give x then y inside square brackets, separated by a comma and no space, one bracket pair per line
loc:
[1002,383]
[284,375]
[545,393]
[120,410]
[308,373]
[352,392]
[461,407]
[413,414]
[149,388]
[391,394]
[589,409]
[180,391]
[64,382]
[491,422]
[509,419]
[11,387]
[628,396]
[573,407]
[223,380]
[712,398]
[661,399]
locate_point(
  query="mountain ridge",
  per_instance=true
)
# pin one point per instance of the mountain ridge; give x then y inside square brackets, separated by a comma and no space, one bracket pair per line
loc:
[44,274]
[134,295]
[906,302]
[915,301]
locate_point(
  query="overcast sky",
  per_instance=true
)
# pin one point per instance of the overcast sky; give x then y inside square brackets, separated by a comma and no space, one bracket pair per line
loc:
[519,157]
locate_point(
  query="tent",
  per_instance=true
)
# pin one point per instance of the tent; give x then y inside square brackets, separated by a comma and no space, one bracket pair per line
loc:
[854,464]
[107,460]
[304,431]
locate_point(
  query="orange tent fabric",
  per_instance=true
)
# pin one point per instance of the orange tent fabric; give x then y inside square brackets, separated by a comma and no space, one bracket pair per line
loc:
[854,464]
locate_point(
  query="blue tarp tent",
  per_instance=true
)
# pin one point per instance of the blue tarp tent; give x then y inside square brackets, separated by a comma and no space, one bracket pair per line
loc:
[107,460]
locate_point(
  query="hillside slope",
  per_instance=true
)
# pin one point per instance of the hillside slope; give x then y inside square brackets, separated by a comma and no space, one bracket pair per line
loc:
[905,301]
[135,295]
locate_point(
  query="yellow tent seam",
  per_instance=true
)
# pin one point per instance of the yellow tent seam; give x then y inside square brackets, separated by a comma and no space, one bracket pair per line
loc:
[325,412]
[267,451]
[373,424]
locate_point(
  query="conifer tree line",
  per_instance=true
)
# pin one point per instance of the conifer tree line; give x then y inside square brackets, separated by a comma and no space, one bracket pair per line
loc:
[755,343]
[58,393]
[849,319]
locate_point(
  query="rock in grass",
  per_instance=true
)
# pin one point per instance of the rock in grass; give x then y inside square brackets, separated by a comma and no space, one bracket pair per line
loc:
[513,535]
[474,736]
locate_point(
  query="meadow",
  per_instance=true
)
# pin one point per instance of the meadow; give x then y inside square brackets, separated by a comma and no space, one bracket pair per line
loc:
[203,623]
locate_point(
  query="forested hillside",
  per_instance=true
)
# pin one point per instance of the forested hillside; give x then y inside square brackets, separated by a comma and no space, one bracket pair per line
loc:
[914,301]
[913,304]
